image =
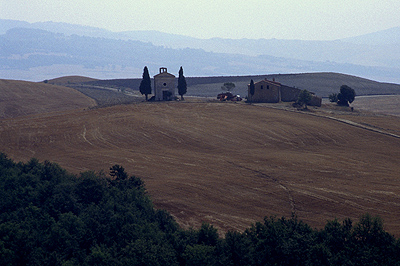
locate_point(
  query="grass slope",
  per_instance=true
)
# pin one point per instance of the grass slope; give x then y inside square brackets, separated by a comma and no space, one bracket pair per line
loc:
[224,163]
[20,98]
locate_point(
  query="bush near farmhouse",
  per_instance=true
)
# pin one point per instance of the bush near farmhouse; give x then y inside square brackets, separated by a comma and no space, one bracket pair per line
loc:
[346,95]
[333,97]
[304,98]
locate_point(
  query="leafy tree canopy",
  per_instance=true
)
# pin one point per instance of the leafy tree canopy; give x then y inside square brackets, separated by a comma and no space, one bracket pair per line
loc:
[50,217]
[228,86]
[346,95]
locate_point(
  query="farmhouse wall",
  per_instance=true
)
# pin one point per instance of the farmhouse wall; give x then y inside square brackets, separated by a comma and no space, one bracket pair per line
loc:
[289,94]
[164,85]
[265,91]
[315,101]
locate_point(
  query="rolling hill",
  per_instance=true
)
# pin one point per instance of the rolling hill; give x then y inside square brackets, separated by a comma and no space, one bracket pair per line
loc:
[228,164]
[70,80]
[19,98]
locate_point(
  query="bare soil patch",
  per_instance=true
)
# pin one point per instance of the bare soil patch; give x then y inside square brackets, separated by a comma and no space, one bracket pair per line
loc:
[229,164]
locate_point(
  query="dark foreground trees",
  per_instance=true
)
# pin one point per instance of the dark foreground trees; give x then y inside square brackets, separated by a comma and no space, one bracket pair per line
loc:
[50,217]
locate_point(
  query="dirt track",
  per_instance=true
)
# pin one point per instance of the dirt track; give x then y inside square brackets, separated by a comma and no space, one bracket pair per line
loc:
[224,163]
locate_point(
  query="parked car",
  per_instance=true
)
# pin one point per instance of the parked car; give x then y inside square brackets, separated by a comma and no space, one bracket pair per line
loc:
[228,96]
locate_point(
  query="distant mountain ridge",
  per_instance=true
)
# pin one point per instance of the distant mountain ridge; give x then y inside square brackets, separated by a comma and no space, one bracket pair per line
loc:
[381,49]
[57,27]
[44,50]
[389,36]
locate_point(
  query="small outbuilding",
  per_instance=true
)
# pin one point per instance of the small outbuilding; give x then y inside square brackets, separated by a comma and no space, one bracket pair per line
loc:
[164,85]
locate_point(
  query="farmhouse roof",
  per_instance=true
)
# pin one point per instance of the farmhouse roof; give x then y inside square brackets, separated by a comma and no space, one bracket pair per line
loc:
[269,82]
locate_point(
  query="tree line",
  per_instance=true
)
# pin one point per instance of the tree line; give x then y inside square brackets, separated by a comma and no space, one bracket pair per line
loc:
[51,217]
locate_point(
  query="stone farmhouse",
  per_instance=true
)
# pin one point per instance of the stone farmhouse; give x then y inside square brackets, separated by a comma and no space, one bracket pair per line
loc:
[267,91]
[164,85]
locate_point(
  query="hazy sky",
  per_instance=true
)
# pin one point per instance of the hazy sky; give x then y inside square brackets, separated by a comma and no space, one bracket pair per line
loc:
[281,19]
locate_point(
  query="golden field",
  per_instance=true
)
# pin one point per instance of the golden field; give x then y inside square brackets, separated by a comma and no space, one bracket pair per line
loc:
[229,164]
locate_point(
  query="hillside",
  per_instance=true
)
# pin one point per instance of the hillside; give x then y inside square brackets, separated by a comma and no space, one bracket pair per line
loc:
[70,79]
[19,98]
[322,84]
[228,164]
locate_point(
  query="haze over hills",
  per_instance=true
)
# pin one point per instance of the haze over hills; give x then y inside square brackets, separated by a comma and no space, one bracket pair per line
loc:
[375,49]
[38,51]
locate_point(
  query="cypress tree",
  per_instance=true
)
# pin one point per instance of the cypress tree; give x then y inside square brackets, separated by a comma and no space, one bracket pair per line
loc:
[145,84]
[252,87]
[182,86]
[251,90]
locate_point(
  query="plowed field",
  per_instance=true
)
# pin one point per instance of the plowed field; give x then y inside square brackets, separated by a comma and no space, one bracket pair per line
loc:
[224,163]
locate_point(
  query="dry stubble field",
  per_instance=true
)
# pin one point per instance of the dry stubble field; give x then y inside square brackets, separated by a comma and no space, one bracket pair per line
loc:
[18,98]
[224,163]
